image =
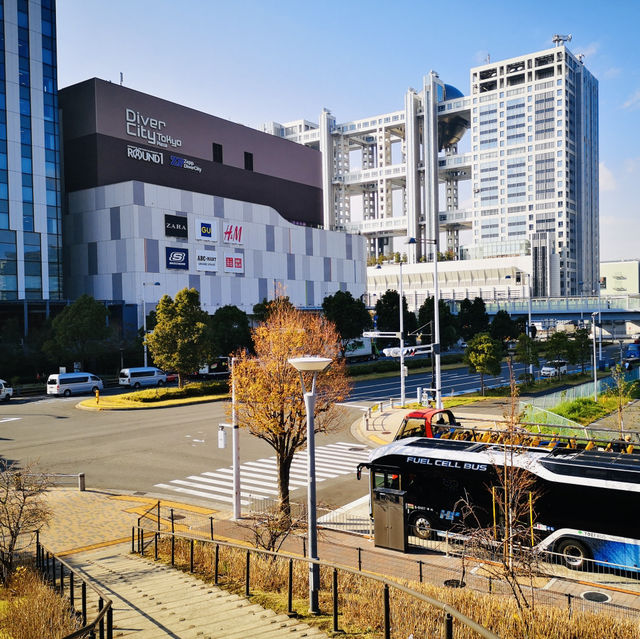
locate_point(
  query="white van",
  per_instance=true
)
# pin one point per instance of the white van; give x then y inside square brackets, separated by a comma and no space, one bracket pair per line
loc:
[5,390]
[73,383]
[137,377]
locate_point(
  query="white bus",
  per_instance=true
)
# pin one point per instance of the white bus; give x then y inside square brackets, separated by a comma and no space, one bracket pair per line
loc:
[142,376]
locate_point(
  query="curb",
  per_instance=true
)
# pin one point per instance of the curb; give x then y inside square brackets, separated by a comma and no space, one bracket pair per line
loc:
[96,408]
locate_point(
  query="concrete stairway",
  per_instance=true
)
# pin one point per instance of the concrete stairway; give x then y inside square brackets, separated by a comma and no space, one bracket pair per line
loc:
[152,600]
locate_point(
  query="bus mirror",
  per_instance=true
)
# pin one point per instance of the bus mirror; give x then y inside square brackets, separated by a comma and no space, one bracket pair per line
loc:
[359,472]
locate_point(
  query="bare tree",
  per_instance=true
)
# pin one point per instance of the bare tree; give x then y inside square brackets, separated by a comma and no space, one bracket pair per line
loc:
[270,527]
[505,537]
[621,391]
[23,510]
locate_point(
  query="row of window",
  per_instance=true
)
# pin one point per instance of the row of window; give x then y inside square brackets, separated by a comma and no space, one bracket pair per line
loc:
[218,156]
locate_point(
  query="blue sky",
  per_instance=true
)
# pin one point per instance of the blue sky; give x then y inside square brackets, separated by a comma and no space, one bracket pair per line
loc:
[252,61]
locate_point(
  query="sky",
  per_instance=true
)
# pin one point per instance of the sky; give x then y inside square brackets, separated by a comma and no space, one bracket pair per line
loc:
[253,61]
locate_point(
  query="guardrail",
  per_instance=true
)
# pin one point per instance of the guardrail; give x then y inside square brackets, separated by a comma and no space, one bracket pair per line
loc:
[138,535]
[55,570]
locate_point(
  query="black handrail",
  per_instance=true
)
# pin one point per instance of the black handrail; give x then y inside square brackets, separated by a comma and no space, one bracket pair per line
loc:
[387,583]
[105,614]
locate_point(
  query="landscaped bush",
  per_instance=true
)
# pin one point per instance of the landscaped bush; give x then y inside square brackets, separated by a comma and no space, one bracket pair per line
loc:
[582,410]
[391,365]
[195,389]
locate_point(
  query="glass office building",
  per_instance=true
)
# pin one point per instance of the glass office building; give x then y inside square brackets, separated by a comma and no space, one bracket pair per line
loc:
[30,221]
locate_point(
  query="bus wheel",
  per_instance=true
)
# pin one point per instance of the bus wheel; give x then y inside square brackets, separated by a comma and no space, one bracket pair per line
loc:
[574,553]
[421,526]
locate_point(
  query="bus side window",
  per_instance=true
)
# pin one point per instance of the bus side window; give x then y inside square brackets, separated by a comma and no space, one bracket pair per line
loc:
[378,480]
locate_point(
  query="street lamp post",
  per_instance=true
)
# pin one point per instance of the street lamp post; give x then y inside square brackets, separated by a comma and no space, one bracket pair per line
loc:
[144,317]
[529,322]
[313,365]
[595,365]
[402,386]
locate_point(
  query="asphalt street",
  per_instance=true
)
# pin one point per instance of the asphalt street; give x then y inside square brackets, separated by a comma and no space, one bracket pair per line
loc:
[169,451]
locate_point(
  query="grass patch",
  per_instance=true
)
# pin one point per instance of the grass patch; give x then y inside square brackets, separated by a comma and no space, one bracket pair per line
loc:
[584,410]
[32,610]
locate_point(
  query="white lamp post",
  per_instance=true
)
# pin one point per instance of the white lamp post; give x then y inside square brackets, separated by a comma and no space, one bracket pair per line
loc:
[402,386]
[313,365]
[529,321]
[595,365]
[144,317]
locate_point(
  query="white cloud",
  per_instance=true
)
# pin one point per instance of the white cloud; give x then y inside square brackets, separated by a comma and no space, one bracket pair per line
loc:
[607,181]
[633,102]
[611,73]
[590,50]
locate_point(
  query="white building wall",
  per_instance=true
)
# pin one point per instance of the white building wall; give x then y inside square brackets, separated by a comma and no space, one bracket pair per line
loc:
[119,245]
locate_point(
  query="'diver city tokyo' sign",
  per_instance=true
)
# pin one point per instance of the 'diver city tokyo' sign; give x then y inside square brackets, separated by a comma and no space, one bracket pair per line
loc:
[151,130]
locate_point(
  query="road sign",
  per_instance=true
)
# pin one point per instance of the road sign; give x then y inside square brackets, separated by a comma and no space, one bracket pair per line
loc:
[381,334]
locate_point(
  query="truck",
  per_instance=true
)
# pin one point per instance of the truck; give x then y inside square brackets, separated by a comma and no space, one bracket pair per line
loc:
[217,369]
[360,349]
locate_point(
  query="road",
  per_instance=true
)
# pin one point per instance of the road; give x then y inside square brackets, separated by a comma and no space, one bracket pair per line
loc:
[171,452]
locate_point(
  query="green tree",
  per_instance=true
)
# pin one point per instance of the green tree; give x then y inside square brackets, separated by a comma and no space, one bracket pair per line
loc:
[349,315]
[448,323]
[261,310]
[80,332]
[181,340]
[558,346]
[230,330]
[388,312]
[472,318]
[581,347]
[483,355]
[527,351]
[503,328]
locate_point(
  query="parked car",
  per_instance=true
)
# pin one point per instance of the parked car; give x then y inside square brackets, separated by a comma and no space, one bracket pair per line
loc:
[554,368]
[68,384]
[6,392]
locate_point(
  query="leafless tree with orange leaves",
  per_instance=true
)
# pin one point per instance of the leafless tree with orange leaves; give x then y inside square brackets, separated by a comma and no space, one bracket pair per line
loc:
[269,401]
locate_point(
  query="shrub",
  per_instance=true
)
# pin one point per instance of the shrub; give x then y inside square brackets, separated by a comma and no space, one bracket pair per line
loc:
[196,389]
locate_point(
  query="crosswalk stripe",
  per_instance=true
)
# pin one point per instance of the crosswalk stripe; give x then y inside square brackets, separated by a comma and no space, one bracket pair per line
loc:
[259,478]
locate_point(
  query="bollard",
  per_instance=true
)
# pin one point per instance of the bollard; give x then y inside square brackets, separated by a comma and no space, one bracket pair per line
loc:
[420,569]
[360,559]
[97,395]
[211,527]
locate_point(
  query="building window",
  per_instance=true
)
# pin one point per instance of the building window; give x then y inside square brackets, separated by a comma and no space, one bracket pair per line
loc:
[217,152]
[248,161]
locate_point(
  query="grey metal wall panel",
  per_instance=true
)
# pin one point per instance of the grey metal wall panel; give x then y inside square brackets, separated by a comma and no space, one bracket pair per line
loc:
[100,198]
[291,266]
[92,256]
[186,201]
[270,237]
[194,281]
[327,269]
[116,286]
[343,287]
[263,288]
[121,256]
[308,239]
[144,222]
[151,256]
[349,240]
[309,293]
[115,222]
[218,206]
[138,193]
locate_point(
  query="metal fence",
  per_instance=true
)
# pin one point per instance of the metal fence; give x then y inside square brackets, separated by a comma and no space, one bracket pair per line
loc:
[579,391]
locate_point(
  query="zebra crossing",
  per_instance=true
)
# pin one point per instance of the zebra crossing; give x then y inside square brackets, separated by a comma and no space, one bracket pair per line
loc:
[259,478]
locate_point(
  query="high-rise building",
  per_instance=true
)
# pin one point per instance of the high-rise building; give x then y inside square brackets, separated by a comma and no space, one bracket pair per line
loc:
[30,245]
[530,169]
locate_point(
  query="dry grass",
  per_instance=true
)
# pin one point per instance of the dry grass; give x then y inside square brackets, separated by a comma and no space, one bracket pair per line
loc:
[361,602]
[32,610]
